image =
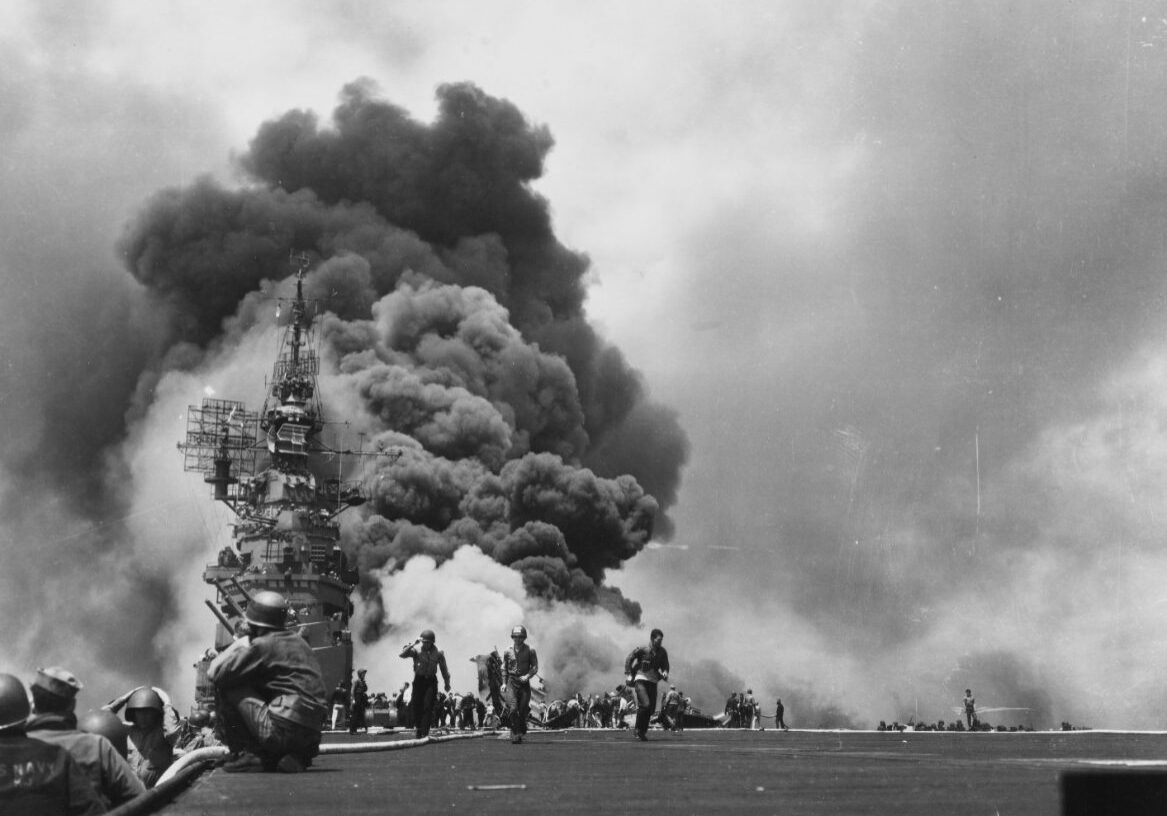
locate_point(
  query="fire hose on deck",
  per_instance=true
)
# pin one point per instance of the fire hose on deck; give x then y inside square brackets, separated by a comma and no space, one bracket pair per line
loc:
[190,765]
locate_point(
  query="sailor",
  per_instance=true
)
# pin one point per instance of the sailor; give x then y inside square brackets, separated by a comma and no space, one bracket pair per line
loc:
[339,704]
[467,704]
[670,707]
[198,731]
[683,706]
[428,659]
[492,719]
[520,664]
[571,712]
[595,711]
[450,713]
[970,708]
[360,703]
[272,697]
[779,711]
[646,666]
[750,710]
[153,727]
[54,698]
[625,701]
[603,709]
[731,711]
[585,710]
[37,778]
[401,707]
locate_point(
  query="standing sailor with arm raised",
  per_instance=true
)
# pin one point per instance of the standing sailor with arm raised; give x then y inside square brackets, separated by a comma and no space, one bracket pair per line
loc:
[428,660]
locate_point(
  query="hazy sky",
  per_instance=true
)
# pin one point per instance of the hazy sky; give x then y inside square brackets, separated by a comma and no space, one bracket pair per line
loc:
[896,266]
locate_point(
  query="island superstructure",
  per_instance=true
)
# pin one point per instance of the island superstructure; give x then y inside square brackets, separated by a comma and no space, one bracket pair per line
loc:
[284,486]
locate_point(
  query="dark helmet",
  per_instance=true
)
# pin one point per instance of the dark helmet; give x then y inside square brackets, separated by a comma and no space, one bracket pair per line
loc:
[267,610]
[108,725]
[428,636]
[14,706]
[144,698]
[199,717]
[519,631]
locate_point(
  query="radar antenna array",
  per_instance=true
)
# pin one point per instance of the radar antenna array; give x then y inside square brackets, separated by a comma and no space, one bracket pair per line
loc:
[221,442]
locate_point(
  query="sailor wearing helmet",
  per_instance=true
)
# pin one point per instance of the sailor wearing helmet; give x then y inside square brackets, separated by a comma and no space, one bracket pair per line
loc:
[520,665]
[360,704]
[271,693]
[428,660]
[153,729]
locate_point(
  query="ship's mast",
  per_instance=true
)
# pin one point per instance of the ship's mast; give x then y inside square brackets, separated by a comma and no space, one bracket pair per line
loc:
[291,414]
[223,437]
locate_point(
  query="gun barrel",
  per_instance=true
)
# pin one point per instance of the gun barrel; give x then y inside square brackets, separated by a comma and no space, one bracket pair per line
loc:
[218,614]
[238,610]
[242,589]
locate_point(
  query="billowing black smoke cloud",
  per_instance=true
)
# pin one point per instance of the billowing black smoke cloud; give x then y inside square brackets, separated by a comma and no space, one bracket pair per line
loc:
[481,430]
[447,202]
[456,328]
[461,185]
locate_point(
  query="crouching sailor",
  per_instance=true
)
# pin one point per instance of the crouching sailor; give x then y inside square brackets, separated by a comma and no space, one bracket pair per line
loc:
[270,691]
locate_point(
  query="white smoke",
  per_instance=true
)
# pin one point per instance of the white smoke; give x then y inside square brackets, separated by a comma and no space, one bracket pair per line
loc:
[471,602]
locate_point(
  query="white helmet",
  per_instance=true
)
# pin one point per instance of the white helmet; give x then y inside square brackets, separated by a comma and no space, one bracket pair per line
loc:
[519,631]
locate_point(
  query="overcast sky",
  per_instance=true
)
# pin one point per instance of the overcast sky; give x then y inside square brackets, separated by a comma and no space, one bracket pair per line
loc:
[896,266]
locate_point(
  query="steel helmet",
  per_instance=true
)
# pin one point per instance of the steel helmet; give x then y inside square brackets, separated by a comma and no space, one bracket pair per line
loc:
[267,610]
[14,707]
[428,636]
[106,724]
[519,631]
[144,698]
[199,717]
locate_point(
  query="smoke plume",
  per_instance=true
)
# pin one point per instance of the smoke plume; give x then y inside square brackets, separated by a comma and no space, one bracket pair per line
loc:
[454,345]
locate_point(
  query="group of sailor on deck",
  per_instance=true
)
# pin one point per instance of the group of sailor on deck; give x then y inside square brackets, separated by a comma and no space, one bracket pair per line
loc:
[270,715]
[271,710]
